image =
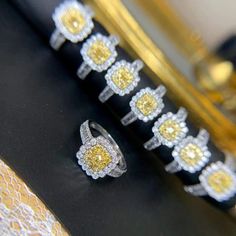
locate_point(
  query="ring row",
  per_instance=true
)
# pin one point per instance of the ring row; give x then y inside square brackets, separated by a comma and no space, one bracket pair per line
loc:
[74,22]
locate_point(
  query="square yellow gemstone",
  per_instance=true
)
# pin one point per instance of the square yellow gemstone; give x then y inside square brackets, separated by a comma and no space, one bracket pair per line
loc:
[97,158]
[191,154]
[169,129]
[146,104]
[122,78]
[99,52]
[220,181]
[73,20]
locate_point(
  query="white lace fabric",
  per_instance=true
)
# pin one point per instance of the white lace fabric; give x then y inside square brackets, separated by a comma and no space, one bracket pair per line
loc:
[22,213]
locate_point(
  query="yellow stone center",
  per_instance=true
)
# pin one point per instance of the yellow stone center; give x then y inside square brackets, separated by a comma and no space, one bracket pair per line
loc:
[146,104]
[170,129]
[99,52]
[191,154]
[220,181]
[122,78]
[73,20]
[97,158]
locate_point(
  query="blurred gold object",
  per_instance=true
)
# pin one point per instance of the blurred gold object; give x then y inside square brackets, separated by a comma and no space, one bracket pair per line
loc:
[117,19]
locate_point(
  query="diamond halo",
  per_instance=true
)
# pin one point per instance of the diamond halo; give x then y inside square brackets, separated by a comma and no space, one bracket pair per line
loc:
[209,171]
[155,112]
[104,143]
[197,144]
[86,13]
[109,42]
[170,117]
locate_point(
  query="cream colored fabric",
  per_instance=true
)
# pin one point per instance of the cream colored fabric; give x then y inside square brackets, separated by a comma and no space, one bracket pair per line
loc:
[21,211]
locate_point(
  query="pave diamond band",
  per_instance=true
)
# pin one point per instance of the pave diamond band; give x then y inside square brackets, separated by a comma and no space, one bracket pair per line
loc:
[145,105]
[73,22]
[121,79]
[191,154]
[217,180]
[168,130]
[99,156]
[98,54]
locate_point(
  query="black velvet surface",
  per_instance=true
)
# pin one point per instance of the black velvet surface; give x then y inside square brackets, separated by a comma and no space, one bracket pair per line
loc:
[42,107]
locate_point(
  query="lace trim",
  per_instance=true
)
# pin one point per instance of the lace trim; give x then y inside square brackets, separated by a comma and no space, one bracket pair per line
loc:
[21,211]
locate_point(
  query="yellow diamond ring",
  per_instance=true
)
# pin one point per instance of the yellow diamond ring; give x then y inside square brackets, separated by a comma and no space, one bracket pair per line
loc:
[99,156]
[99,53]
[121,79]
[73,22]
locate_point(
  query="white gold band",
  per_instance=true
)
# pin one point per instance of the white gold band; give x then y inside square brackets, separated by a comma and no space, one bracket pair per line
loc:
[83,70]
[128,118]
[56,39]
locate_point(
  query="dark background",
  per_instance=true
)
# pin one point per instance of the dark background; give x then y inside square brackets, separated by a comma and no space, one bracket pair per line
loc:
[42,107]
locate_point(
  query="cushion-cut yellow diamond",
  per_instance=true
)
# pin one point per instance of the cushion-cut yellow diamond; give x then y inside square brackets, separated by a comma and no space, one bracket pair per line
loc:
[73,20]
[97,158]
[170,129]
[99,52]
[146,104]
[220,181]
[191,154]
[122,78]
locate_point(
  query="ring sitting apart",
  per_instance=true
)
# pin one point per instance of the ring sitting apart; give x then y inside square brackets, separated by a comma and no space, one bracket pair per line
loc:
[73,22]
[121,79]
[145,105]
[168,130]
[217,180]
[98,53]
[99,156]
[191,154]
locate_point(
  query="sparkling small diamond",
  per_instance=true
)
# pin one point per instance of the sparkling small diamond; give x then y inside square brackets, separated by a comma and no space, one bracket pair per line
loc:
[97,158]
[191,154]
[170,129]
[73,20]
[146,104]
[99,52]
[220,181]
[122,78]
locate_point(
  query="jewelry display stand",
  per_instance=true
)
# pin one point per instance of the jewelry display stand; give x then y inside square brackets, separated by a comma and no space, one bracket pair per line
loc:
[43,106]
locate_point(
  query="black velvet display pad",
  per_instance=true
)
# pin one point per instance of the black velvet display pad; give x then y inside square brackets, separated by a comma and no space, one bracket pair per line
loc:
[42,107]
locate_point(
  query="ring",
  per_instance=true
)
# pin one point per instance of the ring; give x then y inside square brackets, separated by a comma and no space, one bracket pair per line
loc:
[168,130]
[121,79]
[145,105]
[191,154]
[98,54]
[217,180]
[99,156]
[73,22]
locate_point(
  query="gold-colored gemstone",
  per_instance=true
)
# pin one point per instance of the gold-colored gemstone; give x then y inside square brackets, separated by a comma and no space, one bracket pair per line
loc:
[146,104]
[191,154]
[73,20]
[97,158]
[170,129]
[122,78]
[99,52]
[220,181]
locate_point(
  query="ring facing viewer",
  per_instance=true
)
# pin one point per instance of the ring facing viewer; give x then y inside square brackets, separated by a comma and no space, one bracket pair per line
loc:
[168,130]
[145,105]
[73,22]
[99,53]
[121,79]
[217,180]
[191,154]
[99,156]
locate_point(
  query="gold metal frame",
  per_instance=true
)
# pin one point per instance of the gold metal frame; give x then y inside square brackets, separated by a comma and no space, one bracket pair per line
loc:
[117,19]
